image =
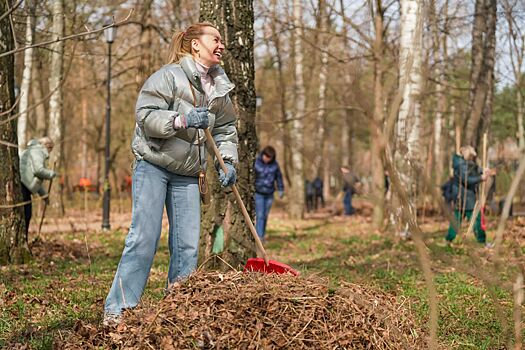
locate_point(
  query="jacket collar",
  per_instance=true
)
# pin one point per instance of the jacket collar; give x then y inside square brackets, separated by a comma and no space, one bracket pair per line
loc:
[188,66]
[223,85]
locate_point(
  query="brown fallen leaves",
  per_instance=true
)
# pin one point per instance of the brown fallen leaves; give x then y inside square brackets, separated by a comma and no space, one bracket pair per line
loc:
[235,310]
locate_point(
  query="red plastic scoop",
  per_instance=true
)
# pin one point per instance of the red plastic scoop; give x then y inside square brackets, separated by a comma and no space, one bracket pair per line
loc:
[263,264]
[259,265]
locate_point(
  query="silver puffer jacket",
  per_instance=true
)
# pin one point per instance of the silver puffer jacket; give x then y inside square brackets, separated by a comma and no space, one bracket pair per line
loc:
[164,96]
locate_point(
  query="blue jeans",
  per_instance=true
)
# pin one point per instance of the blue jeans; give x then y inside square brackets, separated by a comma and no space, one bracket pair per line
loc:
[263,204]
[347,201]
[152,188]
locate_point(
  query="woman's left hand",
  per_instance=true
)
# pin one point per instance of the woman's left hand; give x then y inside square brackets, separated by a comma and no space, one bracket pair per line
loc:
[228,178]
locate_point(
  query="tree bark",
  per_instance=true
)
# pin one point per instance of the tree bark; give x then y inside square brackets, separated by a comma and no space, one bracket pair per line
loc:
[234,19]
[482,72]
[56,99]
[347,150]
[13,243]
[439,43]
[84,105]
[26,78]
[144,65]
[517,53]
[407,155]
[41,109]
[320,122]
[376,143]
[296,201]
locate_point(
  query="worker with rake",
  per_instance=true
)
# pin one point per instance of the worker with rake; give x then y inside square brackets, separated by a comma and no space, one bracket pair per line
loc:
[174,107]
[467,177]
[33,171]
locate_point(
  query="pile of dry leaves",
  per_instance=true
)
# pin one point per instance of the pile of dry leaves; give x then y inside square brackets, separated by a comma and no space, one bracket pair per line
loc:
[236,310]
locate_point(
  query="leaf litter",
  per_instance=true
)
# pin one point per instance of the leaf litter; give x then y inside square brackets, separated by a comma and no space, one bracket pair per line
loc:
[237,310]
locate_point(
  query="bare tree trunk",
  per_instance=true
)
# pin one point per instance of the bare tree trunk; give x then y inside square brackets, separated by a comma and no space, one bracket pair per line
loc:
[26,78]
[439,42]
[84,103]
[41,110]
[408,122]
[13,242]
[519,115]
[482,71]
[320,122]
[144,65]
[55,81]
[517,53]
[235,22]
[376,143]
[287,154]
[347,150]
[296,202]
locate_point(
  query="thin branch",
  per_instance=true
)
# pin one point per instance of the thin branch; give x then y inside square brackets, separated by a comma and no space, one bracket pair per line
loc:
[11,24]
[10,109]
[10,10]
[114,24]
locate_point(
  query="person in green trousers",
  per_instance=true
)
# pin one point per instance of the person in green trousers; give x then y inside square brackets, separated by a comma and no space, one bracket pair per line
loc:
[467,177]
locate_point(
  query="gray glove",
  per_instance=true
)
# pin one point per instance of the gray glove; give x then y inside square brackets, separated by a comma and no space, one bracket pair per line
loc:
[230,177]
[197,118]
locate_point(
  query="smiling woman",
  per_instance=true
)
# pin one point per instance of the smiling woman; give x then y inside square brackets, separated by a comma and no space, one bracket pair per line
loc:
[173,108]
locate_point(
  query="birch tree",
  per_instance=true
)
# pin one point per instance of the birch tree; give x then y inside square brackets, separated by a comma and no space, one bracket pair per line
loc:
[439,53]
[13,244]
[26,76]
[55,82]
[296,200]
[234,20]
[320,121]
[408,121]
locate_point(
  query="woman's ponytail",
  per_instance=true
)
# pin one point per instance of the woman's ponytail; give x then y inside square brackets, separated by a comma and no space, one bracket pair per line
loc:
[181,41]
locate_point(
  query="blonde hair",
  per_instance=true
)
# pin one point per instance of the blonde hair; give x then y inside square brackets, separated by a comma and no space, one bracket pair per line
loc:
[181,41]
[468,152]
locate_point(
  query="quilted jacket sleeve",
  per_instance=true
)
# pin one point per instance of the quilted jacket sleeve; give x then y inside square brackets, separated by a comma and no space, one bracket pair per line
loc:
[154,104]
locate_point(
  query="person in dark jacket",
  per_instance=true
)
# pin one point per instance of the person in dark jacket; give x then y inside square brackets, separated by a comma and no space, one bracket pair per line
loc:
[309,193]
[318,192]
[267,176]
[467,177]
[447,192]
[350,181]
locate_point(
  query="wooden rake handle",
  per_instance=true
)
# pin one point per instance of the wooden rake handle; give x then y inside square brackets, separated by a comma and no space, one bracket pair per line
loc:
[237,197]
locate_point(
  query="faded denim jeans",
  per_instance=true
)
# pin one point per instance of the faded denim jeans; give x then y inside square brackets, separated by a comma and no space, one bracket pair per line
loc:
[152,188]
[263,204]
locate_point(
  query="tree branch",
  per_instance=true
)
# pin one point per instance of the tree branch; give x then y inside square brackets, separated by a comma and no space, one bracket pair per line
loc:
[114,24]
[10,10]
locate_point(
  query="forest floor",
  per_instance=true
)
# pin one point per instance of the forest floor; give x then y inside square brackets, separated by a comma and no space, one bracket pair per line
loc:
[74,263]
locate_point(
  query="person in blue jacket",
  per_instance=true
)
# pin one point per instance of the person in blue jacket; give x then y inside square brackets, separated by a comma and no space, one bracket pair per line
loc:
[267,177]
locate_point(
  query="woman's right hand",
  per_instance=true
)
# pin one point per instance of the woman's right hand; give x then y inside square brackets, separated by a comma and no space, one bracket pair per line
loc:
[197,118]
